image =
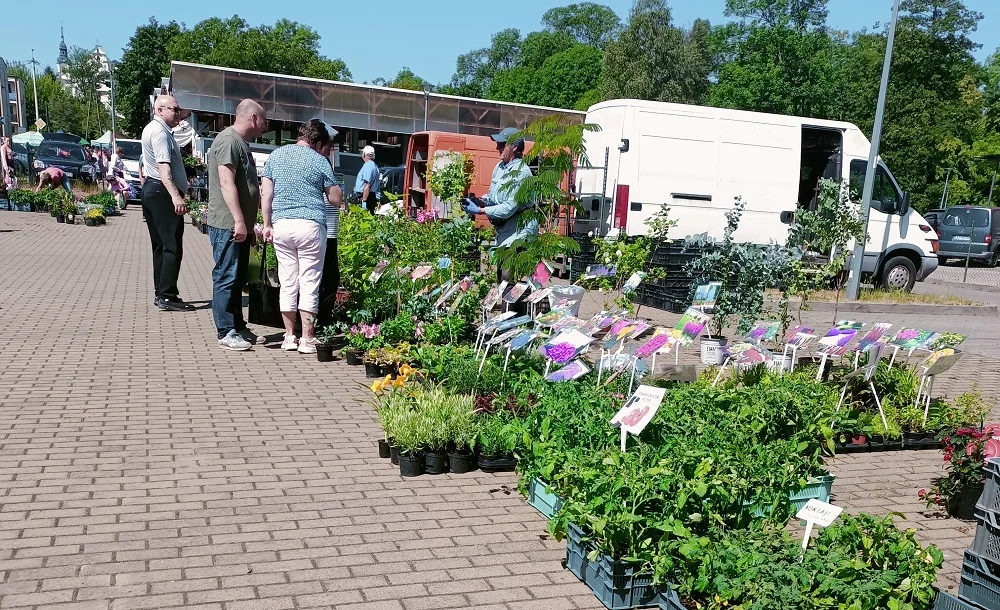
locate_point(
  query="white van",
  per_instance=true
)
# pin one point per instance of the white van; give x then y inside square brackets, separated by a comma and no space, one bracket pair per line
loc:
[698,159]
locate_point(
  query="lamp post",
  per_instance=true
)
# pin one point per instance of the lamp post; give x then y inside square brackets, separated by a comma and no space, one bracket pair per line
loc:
[427,97]
[34,87]
[114,122]
[854,282]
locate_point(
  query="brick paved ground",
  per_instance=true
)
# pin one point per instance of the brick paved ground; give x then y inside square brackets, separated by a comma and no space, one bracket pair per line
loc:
[143,467]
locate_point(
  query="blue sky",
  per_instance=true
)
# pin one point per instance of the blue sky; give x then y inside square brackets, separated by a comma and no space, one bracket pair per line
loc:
[425,36]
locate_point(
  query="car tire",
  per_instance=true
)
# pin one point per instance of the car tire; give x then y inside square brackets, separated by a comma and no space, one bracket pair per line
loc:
[898,273]
[942,260]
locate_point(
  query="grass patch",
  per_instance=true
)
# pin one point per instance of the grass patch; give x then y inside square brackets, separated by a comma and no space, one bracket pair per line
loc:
[893,297]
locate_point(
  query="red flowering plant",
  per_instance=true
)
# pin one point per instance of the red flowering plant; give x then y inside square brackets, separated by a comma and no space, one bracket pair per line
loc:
[965,450]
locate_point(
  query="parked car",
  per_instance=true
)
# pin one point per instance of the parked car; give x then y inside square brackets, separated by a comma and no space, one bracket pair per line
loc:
[67,156]
[392,179]
[970,232]
[20,158]
[133,153]
[934,218]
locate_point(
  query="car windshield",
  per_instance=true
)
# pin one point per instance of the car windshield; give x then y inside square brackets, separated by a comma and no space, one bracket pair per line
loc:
[132,150]
[61,150]
[967,217]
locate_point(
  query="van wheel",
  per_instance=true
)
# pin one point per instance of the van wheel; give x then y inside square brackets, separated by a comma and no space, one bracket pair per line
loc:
[899,273]
[942,260]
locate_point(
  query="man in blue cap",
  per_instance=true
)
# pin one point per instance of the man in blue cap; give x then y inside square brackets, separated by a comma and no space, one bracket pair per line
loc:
[499,204]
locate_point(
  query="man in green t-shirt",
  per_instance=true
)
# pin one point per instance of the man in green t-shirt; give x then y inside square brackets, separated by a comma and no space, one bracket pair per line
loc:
[233,201]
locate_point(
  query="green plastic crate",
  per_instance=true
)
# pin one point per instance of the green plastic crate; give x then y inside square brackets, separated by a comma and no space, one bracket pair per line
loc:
[542,499]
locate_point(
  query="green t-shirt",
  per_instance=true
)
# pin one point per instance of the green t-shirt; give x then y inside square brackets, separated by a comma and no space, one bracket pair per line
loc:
[229,148]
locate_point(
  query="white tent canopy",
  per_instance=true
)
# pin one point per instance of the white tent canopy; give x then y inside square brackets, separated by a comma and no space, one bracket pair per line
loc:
[105,139]
[184,134]
[31,138]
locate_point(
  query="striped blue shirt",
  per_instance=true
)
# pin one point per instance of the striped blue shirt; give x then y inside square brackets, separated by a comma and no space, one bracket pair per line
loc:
[301,176]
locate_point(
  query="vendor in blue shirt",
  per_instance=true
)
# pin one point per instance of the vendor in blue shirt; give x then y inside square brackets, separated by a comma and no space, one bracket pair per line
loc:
[499,204]
[367,185]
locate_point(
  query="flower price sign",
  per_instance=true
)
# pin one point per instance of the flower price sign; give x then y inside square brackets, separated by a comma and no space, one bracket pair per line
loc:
[638,411]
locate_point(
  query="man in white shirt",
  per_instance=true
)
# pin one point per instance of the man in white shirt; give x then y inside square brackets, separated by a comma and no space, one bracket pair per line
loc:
[163,204]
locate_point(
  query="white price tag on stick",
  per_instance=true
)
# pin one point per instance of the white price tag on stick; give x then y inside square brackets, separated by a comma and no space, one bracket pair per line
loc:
[638,410]
[816,513]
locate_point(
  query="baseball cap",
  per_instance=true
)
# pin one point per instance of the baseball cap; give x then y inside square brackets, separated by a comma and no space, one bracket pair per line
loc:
[506,134]
[368,150]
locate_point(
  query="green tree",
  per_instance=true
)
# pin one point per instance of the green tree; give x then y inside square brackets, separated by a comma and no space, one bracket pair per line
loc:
[406,79]
[587,22]
[144,62]
[539,46]
[61,110]
[934,108]
[287,47]
[565,77]
[654,60]
[475,70]
[779,57]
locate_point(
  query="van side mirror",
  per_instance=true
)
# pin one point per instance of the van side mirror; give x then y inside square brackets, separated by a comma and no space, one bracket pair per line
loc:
[787,217]
[904,204]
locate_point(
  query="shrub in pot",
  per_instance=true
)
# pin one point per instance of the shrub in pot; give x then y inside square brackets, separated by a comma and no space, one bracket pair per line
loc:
[463,431]
[326,337]
[965,451]
[411,433]
[497,440]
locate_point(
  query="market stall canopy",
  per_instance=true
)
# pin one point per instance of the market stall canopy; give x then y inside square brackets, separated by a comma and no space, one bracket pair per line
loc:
[105,139]
[31,138]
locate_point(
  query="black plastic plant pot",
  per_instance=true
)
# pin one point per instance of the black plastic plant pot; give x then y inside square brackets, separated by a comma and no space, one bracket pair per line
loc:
[60,218]
[435,462]
[383,448]
[460,463]
[373,371]
[204,229]
[497,463]
[324,353]
[89,222]
[354,358]
[411,465]
[963,504]
[393,454]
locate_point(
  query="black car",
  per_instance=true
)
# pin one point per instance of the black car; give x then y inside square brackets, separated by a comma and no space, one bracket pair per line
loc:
[392,179]
[67,156]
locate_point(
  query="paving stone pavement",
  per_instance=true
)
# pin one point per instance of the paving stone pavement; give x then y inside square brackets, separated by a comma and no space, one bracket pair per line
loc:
[143,467]
[978,274]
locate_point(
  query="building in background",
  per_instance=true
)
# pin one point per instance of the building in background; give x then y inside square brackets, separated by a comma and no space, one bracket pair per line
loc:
[62,71]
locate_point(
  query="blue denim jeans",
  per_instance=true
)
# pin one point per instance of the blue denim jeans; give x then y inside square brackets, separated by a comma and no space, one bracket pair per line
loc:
[228,280]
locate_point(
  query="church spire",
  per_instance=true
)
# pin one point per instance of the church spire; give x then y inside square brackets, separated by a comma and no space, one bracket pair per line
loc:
[63,51]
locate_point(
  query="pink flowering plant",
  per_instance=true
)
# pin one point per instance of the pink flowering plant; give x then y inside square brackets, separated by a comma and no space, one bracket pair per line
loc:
[363,337]
[965,451]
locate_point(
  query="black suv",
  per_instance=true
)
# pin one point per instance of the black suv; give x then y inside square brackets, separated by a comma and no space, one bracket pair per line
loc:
[67,156]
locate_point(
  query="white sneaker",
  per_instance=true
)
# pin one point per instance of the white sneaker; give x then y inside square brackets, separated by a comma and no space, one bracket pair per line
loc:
[290,344]
[308,346]
[234,342]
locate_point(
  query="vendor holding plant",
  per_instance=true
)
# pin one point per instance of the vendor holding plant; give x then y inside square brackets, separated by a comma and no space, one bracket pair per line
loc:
[500,205]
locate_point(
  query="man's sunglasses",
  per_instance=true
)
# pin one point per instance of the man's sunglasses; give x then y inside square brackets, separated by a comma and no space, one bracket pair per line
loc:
[174,108]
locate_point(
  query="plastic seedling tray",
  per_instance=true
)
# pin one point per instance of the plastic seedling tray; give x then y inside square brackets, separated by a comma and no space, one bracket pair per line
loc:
[542,499]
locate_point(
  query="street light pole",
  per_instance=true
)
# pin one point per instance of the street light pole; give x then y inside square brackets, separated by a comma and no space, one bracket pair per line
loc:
[854,282]
[34,87]
[114,129]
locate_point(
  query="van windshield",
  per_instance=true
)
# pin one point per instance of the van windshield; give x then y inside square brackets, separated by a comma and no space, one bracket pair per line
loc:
[966,217]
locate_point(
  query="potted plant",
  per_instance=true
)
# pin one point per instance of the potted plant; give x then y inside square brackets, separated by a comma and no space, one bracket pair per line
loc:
[960,488]
[411,432]
[497,438]
[93,216]
[362,338]
[463,430]
[326,337]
